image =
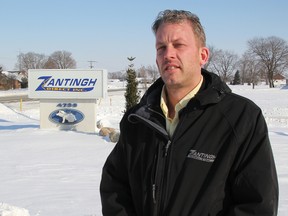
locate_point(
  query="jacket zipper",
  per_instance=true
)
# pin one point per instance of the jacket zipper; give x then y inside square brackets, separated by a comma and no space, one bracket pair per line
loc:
[167,146]
[160,172]
[159,186]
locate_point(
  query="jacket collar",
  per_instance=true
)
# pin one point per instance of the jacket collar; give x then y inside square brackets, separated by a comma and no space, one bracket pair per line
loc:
[212,91]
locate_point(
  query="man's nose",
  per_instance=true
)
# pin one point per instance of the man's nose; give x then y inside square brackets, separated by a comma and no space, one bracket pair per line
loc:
[169,52]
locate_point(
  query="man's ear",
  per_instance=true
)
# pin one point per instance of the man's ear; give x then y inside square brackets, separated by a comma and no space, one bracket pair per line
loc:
[204,55]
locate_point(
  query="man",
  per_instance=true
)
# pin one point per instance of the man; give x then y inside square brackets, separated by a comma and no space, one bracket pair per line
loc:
[191,146]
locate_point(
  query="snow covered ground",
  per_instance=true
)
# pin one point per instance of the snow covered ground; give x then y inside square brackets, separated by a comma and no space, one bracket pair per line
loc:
[49,172]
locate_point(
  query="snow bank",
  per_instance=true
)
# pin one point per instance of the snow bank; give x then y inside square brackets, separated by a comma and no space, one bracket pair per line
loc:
[9,210]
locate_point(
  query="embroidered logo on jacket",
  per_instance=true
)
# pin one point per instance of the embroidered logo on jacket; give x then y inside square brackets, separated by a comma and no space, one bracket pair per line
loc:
[201,156]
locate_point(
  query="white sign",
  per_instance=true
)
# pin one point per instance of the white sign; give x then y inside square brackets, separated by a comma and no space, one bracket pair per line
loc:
[68,114]
[67,83]
[67,97]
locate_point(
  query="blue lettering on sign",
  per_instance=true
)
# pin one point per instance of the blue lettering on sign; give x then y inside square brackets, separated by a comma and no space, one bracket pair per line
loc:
[66,84]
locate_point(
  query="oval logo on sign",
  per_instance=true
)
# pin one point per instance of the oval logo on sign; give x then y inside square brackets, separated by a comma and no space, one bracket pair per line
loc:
[66,116]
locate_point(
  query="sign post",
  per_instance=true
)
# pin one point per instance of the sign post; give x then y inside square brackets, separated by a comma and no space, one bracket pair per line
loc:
[68,97]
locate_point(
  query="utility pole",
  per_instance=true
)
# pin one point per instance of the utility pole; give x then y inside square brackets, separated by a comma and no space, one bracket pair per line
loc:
[91,64]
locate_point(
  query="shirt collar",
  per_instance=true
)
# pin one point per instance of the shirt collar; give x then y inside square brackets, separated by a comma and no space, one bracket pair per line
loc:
[182,103]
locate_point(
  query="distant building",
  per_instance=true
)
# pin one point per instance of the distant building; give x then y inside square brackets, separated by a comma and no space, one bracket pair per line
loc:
[279,80]
[10,80]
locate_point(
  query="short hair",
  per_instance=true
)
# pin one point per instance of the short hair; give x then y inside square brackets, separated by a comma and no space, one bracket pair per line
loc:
[178,16]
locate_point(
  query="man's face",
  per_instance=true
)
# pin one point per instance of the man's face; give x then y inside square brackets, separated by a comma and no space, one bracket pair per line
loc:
[179,55]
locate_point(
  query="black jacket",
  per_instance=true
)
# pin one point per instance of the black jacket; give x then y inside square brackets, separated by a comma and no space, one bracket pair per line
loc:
[218,162]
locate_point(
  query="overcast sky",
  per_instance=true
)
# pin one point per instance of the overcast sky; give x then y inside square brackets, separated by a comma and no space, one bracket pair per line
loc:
[110,31]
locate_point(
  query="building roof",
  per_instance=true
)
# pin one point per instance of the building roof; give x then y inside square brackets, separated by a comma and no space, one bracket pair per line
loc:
[279,77]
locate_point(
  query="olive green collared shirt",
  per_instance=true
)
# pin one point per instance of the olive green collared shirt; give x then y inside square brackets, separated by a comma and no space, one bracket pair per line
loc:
[171,124]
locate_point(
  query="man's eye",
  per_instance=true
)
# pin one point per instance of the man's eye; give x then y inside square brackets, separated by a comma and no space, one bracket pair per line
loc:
[178,45]
[160,50]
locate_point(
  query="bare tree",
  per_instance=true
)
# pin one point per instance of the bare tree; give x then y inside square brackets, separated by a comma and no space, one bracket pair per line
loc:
[150,73]
[251,69]
[243,66]
[153,72]
[117,75]
[224,63]
[30,60]
[272,52]
[60,60]
[142,73]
